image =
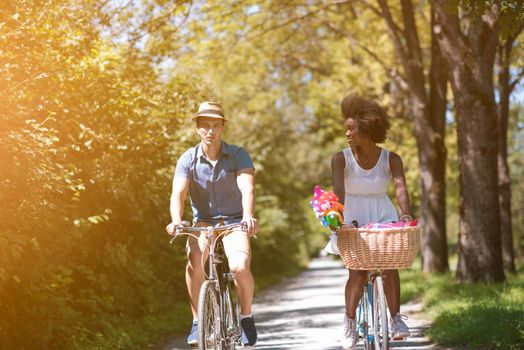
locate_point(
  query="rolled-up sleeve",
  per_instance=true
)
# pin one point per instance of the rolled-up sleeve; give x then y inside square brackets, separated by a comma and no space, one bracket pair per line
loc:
[243,160]
[183,165]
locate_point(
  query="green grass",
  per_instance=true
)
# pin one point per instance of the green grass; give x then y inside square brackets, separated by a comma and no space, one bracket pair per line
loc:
[472,316]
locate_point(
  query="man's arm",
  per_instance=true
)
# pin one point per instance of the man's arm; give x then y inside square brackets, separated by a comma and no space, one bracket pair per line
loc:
[178,197]
[246,184]
[399,180]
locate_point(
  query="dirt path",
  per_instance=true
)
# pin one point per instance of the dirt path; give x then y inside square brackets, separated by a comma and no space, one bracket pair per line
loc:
[305,312]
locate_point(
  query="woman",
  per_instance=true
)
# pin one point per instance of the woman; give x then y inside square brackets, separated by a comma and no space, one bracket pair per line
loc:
[361,174]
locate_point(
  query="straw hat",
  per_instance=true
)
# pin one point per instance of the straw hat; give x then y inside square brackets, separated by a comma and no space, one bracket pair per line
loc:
[210,110]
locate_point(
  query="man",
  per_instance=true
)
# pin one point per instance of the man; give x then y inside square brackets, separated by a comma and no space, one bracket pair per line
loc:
[220,180]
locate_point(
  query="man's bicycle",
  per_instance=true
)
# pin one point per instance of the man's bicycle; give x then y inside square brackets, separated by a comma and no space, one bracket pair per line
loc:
[376,250]
[218,306]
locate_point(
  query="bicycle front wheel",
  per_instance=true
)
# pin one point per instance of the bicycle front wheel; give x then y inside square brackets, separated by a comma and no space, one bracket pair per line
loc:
[209,317]
[231,328]
[380,316]
[364,309]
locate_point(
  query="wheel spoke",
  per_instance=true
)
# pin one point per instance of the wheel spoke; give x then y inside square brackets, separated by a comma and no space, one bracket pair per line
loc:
[381,317]
[208,316]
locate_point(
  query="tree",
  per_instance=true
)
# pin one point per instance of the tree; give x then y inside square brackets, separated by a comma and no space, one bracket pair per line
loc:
[427,101]
[86,148]
[505,85]
[469,43]
[425,92]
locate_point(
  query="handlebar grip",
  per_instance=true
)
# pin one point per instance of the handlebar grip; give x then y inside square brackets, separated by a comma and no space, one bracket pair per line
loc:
[181,226]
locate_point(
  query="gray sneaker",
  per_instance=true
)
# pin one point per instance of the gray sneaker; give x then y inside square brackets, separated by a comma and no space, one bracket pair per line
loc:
[350,335]
[192,338]
[398,328]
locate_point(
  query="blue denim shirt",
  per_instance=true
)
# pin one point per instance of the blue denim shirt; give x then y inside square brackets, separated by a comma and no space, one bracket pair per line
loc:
[213,190]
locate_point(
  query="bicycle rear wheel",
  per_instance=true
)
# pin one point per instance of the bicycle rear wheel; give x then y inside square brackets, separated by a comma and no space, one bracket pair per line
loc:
[380,316]
[209,317]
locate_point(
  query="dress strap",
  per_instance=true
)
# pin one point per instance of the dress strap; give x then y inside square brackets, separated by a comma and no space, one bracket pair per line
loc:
[348,157]
[385,161]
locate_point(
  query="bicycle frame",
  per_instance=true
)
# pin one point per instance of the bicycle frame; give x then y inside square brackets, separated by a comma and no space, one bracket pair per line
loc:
[372,313]
[218,280]
[210,235]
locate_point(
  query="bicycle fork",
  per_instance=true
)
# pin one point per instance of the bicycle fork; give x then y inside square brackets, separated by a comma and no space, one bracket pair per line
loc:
[365,313]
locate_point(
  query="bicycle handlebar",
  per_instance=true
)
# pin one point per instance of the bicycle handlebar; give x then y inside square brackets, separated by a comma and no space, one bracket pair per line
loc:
[188,230]
[181,228]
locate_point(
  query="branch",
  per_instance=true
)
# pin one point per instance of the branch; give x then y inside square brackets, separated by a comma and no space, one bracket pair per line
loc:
[372,8]
[302,63]
[294,19]
[354,41]
[393,30]
[155,23]
[414,65]
[34,76]
[514,83]
[27,24]
[410,29]
[392,73]
[450,35]
[508,47]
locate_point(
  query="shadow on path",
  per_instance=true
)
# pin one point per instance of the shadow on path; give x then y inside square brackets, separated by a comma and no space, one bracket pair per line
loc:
[305,312]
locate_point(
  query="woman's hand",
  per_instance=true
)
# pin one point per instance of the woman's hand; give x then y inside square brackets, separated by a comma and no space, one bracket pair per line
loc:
[347,225]
[406,218]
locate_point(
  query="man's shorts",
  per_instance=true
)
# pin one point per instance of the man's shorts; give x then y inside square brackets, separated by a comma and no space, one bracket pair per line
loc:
[234,241]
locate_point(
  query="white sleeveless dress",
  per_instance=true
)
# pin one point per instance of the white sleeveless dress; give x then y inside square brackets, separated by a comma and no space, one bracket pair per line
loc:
[366,198]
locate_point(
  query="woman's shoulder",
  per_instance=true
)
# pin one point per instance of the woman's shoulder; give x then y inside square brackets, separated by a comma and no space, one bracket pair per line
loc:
[338,155]
[394,160]
[338,159]
[392,155]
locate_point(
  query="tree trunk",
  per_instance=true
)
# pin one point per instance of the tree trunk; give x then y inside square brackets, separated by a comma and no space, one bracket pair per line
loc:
[435,247]
[508,255]
[471,58]
[428,115]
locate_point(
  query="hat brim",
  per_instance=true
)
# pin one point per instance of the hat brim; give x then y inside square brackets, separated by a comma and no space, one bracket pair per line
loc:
[208,115]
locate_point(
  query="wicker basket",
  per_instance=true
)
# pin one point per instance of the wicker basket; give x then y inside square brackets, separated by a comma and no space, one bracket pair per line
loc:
[378,249]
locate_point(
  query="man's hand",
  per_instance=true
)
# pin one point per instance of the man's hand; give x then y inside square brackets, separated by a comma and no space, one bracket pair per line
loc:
[171,228]
[251,226]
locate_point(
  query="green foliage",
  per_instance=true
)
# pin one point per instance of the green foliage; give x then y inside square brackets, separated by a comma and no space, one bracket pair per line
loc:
[516,163]
[90,129]
[96,99]
[86,149]
[470,316]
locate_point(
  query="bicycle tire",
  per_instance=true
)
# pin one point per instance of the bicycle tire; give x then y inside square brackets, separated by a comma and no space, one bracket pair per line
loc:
[209,336]
[363,319]
[380,316]
[230,329]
